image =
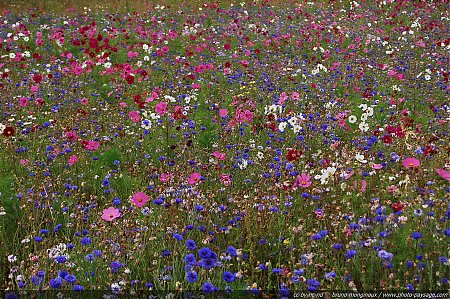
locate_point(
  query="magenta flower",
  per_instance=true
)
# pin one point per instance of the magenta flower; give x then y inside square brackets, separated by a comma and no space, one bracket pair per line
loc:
[72,160]
[134,116]
[219,155]
[110,214]
[161,108]
[140,198]
[194,178]
[23,102]
[443,174]
[303,180]
[91,145]
[411,163]
[223,112]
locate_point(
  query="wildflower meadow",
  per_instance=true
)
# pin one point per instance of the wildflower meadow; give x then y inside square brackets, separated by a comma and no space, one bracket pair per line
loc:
[221,147]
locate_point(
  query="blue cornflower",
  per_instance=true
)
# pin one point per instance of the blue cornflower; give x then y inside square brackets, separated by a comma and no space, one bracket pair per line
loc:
[86,241]
[78,288]
[208,263]
[416,235]
[190,259]
[89,257]
[277,271]
[63,273]
[232,251]
[56,283]
[115,266]
[97,253]
[443,259]
[350,253]
[106,183]
[36,280]
[383,254]
[338,246]
[228,276]
[70,278]
[204,252]
[313,284]
[190,244]
[192,276]
[61,259]
[178,237]
[208,288]
[330,275]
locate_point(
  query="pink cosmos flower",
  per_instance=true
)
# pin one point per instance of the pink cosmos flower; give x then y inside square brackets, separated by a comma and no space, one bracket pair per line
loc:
[223,112]
[91,145]
[165,177]
[295,95]
[72,160]
[34,88]
[411,163]
[392,189]
[348,173]
[140,198]
[225,179]
[134,116]
[377,166]
[303,180]
[72,136]
[443,174]
[161,108]
[283,98]
[23,102]
[24,161]
[84,101]
[194,178]
[39,102]
[219,155]
[110,214]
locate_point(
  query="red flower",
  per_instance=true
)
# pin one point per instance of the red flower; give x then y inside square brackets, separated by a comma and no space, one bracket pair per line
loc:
[9,131]
[130,79]
[293,155]
[398,206]
[387,139]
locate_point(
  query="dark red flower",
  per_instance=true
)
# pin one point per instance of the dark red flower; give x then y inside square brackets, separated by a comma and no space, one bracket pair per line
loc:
[130,79]
[293,155]
[387,139]
[9,131]
[398,206]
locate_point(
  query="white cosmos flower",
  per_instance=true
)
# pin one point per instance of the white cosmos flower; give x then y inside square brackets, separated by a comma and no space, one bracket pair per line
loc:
[364,127]
[369,111]
[2,128]
[360,158]
[296,129]
[364,117]
[363,107]
[352,119]
[282,126]
[243,164]
[292,121]
[260,155]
